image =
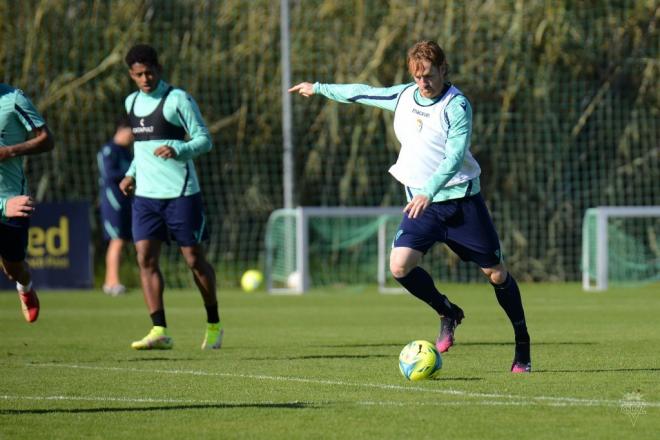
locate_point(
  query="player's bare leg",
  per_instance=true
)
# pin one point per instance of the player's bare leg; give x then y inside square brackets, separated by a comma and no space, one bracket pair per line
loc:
[203,272]
[112,285]
[204,276]
[148,254]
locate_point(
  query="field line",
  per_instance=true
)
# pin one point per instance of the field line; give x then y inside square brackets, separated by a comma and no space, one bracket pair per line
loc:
[538,400]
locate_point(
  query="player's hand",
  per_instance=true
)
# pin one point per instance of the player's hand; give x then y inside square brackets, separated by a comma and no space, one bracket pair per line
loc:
[417,205]
[305,89]
[19,206]
[165,152]
[127,186]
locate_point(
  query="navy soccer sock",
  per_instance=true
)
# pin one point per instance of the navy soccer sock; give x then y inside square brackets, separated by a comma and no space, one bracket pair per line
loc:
[508,295]
[420,284]
[158,318]
[212,315]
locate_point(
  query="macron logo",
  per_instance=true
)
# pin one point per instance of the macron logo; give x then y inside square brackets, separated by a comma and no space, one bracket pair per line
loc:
[420,113]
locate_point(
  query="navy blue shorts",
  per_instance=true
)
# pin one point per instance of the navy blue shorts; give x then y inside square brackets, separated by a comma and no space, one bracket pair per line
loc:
[14,239]
[181,218]
[115,217]
[462,224]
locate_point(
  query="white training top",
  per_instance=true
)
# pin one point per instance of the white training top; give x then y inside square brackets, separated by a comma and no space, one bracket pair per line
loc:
[422,132]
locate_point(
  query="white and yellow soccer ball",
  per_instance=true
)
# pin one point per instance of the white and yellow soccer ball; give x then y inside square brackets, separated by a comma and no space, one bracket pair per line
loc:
[419,360]
[251,280]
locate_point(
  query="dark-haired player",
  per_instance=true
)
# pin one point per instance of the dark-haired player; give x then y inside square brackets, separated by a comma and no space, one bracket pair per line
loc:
[23,131]
[169,133]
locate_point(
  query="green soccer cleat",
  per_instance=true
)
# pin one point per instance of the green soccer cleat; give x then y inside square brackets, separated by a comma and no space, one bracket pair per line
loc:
[157,339]
[213,338]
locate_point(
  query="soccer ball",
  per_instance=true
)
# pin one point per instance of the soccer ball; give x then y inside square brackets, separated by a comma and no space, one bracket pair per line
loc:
[419,360]
[251,280]
[294,280]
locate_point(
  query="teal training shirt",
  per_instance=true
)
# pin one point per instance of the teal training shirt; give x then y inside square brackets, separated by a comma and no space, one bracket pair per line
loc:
[458,115]
[18,117]
[159,178]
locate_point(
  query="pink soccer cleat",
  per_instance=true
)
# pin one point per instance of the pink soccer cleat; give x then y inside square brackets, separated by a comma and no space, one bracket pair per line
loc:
[29,305]
[447,326]
[521,367]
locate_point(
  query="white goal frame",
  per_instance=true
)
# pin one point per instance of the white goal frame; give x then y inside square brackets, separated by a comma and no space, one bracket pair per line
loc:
[603,214]
[302,215]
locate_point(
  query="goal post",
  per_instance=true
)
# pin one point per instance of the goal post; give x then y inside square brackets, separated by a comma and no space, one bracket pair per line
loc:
[308,243]
[620,243]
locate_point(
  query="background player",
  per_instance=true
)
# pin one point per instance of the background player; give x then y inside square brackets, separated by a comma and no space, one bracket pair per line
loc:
[433,123]
[23,131]
[113,160]
[167,200]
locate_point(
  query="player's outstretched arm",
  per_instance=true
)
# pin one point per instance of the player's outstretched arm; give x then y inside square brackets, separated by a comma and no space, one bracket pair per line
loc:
[305,89]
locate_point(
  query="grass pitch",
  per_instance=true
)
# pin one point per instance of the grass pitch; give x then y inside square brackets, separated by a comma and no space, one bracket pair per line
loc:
[324,365]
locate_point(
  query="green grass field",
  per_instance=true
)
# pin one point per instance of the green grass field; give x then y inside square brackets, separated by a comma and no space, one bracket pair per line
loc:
[324,365]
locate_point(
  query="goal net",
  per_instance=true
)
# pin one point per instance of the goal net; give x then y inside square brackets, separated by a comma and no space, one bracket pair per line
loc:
[320,246]
[620,245]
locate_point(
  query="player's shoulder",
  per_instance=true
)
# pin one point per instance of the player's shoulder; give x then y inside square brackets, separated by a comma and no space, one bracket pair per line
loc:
[21,101]
[130,98]
[405,87]
[458,100]
[7,95]
[178,91]
[6,88]
[106,149]
[13,93]
[180,95]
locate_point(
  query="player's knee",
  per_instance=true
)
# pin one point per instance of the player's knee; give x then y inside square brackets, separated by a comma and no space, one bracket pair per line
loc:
[498,276]
[192,259]
[9,273]
[399,270]
[146,261]
[194,263]
[13,270]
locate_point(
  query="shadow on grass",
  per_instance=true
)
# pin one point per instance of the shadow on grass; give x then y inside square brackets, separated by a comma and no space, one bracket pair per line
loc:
[284,405]
[599,370]
[479,344]
[393,344]
[461,379]
[158,359]
[319,356]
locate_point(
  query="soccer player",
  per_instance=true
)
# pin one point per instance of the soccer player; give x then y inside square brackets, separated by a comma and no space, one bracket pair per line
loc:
[433,123]
[23,131]
[113,160]
[169,133]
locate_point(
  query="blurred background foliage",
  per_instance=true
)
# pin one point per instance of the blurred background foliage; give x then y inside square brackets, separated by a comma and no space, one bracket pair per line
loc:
[565,97]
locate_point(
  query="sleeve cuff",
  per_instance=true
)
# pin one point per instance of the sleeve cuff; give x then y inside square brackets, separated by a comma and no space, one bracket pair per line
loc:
[3,205]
